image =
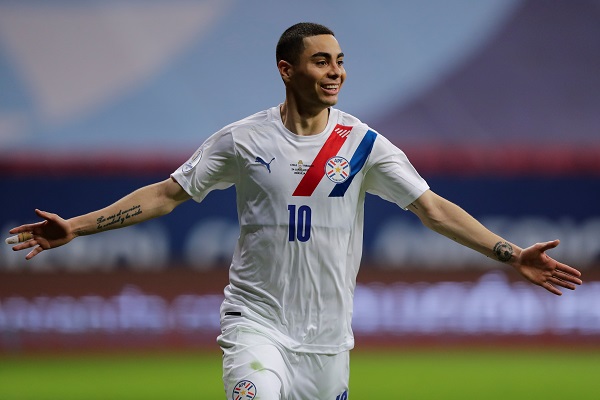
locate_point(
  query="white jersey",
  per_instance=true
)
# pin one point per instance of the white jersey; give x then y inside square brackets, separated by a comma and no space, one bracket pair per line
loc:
[300,209]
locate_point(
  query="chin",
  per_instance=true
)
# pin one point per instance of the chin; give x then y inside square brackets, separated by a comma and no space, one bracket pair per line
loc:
[330,102]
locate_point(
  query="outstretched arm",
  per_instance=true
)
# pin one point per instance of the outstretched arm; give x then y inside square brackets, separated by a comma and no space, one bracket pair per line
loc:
[533,263]
[141,205]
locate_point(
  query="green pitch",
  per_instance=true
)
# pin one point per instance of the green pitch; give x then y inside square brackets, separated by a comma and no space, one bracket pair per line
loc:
[428,374]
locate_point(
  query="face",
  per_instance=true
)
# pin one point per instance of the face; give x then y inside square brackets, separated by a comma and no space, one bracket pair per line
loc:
[316,79]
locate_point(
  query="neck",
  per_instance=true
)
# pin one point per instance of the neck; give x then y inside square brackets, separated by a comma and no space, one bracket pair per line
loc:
[303,122]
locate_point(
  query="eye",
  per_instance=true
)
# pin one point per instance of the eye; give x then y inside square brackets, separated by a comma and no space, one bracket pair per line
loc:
[340,62]
[321,63]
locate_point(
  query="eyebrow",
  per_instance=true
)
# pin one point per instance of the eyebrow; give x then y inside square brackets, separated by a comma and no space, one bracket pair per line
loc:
[325,55]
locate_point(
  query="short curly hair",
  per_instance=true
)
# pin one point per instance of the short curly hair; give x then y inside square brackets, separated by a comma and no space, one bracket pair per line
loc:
[291,42]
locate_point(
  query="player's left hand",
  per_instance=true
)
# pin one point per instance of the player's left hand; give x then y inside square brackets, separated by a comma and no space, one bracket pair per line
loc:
[541,269]
[50,233]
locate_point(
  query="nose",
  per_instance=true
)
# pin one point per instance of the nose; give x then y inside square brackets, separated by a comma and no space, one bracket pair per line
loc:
[335,70]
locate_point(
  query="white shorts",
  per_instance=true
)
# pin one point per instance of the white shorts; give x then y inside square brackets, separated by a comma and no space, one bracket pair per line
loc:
[257,367]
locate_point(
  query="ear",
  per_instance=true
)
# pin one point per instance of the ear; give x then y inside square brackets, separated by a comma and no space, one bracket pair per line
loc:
[285,70]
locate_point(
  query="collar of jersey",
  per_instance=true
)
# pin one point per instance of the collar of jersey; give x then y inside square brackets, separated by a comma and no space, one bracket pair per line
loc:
[333,117]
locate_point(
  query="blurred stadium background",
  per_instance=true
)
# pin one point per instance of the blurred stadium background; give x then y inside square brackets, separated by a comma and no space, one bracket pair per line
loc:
[496,103]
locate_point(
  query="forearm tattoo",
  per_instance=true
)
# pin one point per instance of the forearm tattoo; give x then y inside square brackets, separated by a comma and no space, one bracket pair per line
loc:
[503,251]
[82,232]
[118,218]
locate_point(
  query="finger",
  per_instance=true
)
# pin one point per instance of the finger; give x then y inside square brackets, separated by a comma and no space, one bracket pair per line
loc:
[20,238]
[21,229]
[26,227]
[548,286]
[25,245]
[567,270]
[549,245]
[565,276]
[34,253]
[29,227]
[43,214]
[557,281]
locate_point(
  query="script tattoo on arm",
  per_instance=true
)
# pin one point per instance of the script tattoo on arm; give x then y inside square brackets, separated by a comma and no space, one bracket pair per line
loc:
[503,251]
[118,218]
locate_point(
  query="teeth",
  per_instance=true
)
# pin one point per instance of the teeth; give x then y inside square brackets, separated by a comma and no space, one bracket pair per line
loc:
[330,86]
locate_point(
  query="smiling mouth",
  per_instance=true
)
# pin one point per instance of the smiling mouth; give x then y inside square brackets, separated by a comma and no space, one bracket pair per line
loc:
[331,89]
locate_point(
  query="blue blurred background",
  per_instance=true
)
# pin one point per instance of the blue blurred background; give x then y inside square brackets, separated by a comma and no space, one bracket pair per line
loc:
[496,103]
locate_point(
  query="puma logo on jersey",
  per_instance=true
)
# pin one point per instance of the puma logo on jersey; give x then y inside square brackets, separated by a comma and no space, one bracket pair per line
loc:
[266,164]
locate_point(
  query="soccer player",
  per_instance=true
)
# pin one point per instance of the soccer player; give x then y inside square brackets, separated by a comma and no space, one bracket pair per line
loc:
[301,171]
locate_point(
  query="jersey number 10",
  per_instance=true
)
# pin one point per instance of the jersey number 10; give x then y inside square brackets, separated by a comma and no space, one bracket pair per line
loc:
[299,226]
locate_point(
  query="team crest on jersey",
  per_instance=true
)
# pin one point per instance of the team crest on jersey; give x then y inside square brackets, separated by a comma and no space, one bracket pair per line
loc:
[193,161]
[337,169]
[244,390]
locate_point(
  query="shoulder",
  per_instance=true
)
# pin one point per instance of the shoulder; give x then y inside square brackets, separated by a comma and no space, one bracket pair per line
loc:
[238,130]
[251,122]
[343,118]
[379,146]
[359,128]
